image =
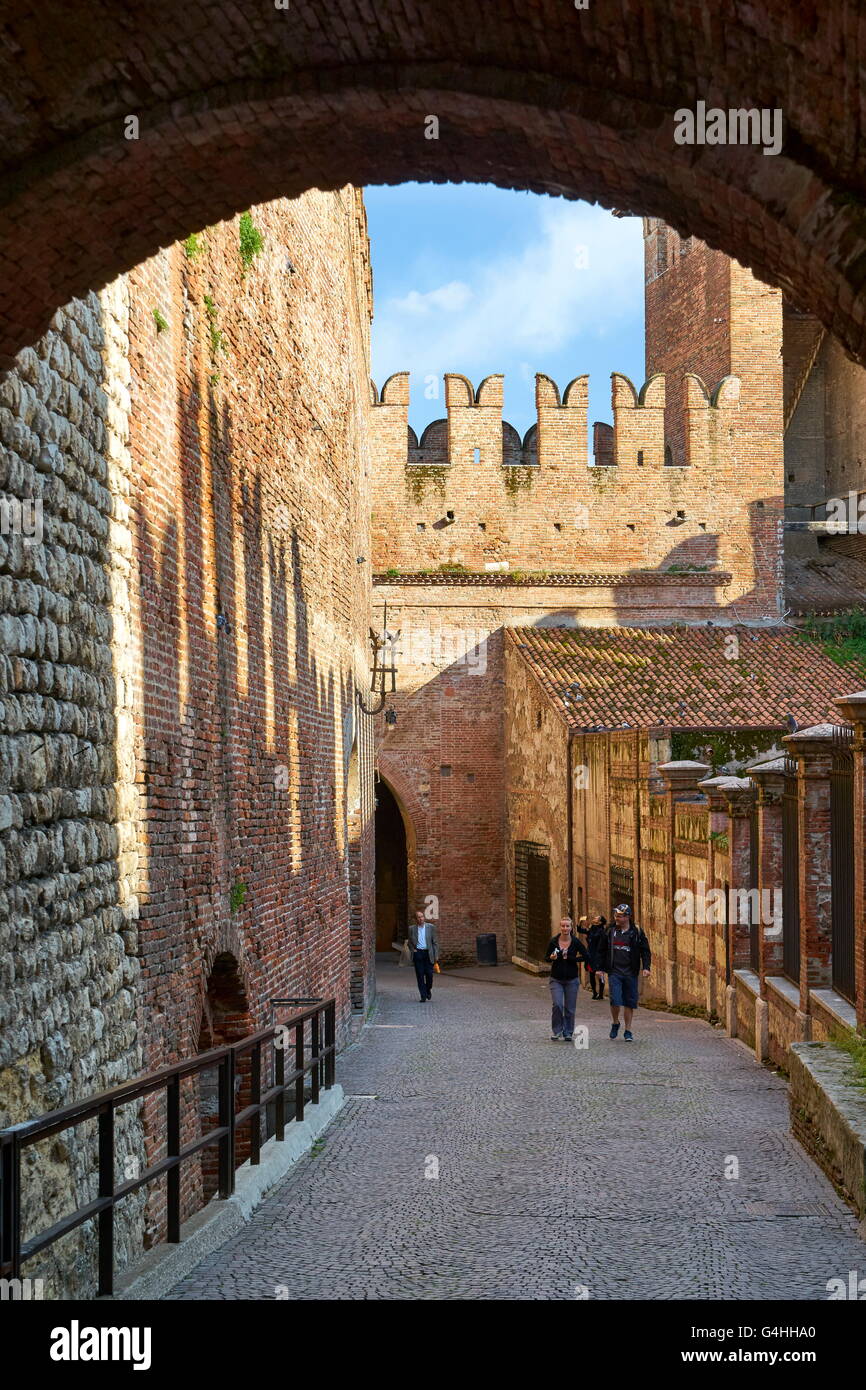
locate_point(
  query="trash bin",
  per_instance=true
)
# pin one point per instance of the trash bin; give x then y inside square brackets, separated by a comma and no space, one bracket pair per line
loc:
[485,947]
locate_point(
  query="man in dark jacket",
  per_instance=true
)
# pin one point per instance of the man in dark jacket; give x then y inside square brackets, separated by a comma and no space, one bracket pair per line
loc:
[621,952]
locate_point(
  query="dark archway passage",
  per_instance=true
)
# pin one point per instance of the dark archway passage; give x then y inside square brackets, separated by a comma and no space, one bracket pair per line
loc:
[225,1019]
[120,136]
[392,880]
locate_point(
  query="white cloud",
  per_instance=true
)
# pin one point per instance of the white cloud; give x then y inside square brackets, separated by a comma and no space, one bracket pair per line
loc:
[580,271]
[449,298]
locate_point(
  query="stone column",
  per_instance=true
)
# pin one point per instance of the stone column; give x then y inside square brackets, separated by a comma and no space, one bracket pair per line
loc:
[740,796]
[853,709]
[680,778]
[718,824]
[769,781]
[813,750]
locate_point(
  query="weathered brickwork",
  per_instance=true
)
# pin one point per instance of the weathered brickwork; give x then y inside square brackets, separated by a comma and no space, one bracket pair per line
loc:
[472,496]
[189,793]
[126,139]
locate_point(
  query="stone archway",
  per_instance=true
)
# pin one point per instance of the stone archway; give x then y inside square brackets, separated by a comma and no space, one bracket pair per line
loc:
[118,140]
[392,869]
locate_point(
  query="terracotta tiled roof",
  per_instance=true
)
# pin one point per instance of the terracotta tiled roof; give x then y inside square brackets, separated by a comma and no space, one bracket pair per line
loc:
[681,678]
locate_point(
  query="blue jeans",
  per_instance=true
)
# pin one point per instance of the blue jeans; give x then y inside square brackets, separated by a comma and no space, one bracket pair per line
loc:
[563,995]
[623,990]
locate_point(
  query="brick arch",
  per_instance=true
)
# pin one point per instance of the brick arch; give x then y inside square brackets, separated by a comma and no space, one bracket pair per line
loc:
[240,102]
[225,1018]
[415,820]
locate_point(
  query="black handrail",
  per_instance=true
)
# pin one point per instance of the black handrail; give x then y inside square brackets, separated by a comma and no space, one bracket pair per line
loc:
[102,1107]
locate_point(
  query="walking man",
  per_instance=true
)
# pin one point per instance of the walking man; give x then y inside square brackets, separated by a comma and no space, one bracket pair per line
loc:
[621,952]
[424,944]
[564,951]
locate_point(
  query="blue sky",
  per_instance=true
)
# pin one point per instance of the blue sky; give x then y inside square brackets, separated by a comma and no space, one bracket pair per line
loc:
[475,279]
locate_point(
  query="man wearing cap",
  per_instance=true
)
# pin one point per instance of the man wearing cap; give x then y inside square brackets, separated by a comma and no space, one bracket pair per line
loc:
[621,951]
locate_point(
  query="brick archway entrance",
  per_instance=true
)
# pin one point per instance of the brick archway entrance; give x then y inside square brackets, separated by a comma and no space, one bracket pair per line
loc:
[117,141]
[392,870]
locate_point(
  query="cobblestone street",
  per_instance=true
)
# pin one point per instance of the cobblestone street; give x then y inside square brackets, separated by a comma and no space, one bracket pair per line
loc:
[557,1167]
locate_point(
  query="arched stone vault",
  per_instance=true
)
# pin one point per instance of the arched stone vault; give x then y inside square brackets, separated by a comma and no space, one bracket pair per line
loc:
[240,102]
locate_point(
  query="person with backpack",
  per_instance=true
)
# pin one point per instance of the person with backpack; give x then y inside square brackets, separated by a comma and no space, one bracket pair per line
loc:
[564,952]
[594,933]
[621,953]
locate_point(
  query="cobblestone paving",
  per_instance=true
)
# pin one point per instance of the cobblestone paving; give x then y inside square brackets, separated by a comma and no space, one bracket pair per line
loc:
[558,1167]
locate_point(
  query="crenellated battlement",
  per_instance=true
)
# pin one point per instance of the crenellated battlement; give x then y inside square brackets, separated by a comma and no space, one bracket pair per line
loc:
[474,434]
[472,493]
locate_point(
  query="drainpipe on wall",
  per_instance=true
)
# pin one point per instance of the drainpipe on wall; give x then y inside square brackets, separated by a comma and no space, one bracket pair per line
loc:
[569,801]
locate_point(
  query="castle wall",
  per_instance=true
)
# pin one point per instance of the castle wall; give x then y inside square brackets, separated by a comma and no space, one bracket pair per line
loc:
[473,511]
[188,781]
[687,307]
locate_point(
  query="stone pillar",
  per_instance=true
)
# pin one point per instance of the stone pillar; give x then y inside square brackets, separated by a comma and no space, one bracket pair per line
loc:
[853,709]
[770,782]
[740,796]
[813,750]
[718,824]
[680,778]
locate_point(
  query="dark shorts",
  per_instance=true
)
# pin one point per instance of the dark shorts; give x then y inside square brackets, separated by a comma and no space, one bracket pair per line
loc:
[622,990]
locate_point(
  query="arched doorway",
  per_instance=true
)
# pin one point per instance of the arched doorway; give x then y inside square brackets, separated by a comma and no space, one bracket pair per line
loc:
[392,873]
[225,1019]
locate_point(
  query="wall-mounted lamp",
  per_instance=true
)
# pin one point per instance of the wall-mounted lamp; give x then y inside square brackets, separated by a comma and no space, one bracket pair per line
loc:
[383,645]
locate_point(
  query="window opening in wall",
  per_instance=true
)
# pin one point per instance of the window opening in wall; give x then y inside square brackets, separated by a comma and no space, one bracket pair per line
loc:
[477,453]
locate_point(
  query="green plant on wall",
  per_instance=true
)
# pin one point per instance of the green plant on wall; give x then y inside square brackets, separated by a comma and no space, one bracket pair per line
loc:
[160,320]
[417,478]
[194,247]
[719,839]
[721,746]
[216,336]
[250,240]
[237,896]
[518,478]
[843,636]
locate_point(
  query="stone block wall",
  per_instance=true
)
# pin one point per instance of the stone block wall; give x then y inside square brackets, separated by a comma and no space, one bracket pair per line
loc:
[69,964]
[186,819]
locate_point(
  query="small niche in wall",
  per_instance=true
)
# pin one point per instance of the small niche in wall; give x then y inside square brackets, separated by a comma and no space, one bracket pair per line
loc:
[482,525]
[422,526]
[445,770]
[557,525]
[476,453]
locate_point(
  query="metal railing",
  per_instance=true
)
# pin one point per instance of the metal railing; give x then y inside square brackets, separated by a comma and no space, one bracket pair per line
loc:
[318,1061]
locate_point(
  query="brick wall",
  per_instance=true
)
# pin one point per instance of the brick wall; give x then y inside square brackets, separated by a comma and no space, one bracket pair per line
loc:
[473,497]
[200,828]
